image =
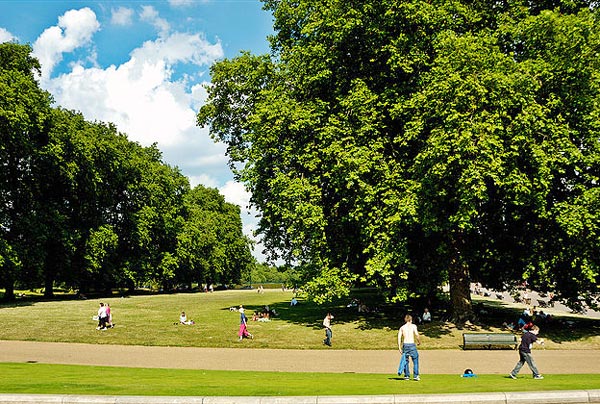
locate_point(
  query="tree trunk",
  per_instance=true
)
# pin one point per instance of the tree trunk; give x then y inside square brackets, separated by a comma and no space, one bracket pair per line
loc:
[9,291]
[460,287]
[48,286]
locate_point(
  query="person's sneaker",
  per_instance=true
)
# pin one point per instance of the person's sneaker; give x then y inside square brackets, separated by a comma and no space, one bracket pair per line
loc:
[417,378]
[538,377]
[512,376]
[406,378]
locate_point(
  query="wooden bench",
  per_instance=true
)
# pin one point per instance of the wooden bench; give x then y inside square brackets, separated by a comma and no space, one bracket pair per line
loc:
[489,340]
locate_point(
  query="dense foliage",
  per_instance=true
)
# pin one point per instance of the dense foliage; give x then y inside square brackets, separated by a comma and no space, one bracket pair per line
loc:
[285,275]
[83,207]
[409,144]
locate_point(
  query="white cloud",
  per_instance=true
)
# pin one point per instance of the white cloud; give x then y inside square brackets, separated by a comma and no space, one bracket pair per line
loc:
[179,47]
[75,29]
[140,96]
[235,193]
[6,36]
[199,96]
[204,179]
[122,16]
[149,14]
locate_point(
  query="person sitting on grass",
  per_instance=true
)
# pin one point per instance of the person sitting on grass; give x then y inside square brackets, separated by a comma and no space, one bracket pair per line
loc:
[184,320]
[426,316]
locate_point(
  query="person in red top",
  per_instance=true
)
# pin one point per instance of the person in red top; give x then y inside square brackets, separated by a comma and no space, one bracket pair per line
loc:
[109,322]
[527,340]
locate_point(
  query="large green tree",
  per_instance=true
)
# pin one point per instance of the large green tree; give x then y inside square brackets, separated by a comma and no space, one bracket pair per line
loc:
[211,247]
[24,122]
[83,207]
[408,144]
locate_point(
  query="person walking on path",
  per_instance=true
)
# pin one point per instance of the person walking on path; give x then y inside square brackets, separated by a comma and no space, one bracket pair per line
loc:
[327,325]
[407,335]
[243,332]
[527,340]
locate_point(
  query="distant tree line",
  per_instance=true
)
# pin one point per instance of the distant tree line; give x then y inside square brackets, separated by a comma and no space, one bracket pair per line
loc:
[83,207]
[262,273]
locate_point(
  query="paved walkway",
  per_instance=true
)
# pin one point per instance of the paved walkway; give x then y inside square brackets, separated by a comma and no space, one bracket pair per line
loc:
[550,397]
[291,360]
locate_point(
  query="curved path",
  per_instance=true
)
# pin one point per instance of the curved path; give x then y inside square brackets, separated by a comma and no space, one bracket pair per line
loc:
[291,360]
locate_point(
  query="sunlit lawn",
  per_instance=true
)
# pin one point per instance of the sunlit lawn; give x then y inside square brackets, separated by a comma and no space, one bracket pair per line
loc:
[149,320]
[95,380]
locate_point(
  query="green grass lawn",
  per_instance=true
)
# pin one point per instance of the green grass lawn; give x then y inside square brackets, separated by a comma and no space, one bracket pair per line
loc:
[148,320]
[95,380]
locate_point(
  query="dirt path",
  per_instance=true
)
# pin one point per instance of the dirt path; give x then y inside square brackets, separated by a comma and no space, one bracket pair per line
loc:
[337,361]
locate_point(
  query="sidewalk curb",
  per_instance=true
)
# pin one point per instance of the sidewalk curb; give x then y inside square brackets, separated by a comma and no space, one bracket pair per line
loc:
[538,397]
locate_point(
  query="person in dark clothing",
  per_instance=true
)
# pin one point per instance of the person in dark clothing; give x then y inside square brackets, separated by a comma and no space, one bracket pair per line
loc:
[527,340]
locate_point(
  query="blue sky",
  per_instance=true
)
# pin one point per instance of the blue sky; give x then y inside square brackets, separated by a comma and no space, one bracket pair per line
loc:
[142,65]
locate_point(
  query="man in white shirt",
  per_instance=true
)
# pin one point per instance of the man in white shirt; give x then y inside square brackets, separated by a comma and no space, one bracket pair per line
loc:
[327,325]
[102,317]
[407,334]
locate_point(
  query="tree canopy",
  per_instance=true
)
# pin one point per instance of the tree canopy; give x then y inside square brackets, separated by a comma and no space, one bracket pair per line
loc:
[83,207]
[410,144]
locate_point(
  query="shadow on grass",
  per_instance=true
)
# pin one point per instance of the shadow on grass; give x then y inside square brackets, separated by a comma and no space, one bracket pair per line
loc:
[491,316]
[386,316]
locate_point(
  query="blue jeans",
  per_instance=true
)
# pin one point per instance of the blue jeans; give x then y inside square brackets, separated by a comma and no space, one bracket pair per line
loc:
[403,365]
[410,350]
[328,335]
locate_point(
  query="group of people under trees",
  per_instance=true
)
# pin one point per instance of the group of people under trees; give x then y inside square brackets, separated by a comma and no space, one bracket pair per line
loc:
[263,315]
[527,319]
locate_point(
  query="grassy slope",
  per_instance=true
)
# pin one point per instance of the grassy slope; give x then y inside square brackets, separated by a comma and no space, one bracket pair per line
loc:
[148,320]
